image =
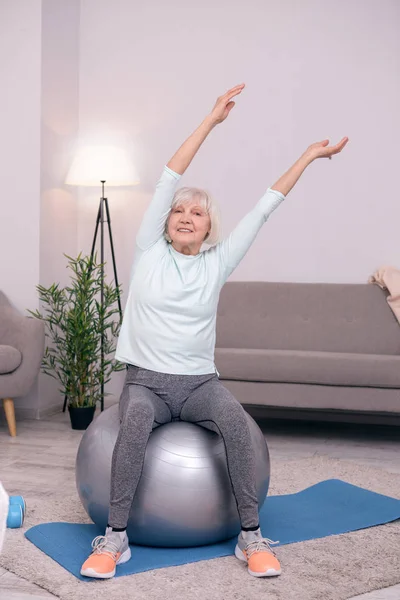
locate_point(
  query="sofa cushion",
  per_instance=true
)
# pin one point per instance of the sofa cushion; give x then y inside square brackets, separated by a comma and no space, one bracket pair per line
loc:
[328,317]
[296,366]
[10,359]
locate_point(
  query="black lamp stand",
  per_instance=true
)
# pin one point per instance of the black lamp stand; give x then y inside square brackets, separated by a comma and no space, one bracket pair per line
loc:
[103,208]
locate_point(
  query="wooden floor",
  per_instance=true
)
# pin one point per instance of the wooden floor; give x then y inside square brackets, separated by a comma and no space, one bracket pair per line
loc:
[42,449]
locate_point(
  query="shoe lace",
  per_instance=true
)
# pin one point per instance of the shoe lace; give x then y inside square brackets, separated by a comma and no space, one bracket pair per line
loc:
[102,545]
[261,545]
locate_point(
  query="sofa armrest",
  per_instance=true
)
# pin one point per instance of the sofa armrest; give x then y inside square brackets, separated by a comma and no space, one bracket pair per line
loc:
[28,336]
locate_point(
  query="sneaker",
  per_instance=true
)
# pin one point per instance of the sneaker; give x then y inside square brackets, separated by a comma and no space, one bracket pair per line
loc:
[109,550]
[257,553]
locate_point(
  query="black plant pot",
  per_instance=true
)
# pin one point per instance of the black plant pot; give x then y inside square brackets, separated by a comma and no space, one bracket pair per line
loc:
[81,417]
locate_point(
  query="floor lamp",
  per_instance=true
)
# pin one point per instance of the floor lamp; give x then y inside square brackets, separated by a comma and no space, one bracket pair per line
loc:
[95,166]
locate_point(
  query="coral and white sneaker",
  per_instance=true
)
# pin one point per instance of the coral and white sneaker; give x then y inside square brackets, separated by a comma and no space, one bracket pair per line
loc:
[256,551]
[109,550]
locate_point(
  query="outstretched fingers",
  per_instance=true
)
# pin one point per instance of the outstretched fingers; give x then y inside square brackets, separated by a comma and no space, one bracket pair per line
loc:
[233,92]
[342,143]
[339,147]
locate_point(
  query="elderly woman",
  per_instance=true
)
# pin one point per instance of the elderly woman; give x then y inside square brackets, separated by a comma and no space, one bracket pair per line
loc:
[167,340]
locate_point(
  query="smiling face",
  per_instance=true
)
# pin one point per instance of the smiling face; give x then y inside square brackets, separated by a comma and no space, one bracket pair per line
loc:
[188,226]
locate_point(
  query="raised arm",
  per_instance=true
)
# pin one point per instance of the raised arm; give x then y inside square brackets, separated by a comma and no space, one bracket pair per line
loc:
[317,150]
[152,226]
[184,156]
[234,247]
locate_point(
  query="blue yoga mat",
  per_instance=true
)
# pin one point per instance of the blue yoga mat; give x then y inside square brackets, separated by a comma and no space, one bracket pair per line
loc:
[327,508]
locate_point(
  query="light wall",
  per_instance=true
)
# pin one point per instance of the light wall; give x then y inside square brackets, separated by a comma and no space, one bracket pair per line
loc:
[39,45]
[150,72]
[20,106]
[144,74]
[59,130]
[313,70]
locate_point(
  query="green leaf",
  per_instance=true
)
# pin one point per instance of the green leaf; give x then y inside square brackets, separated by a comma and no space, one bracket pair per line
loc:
[75,323]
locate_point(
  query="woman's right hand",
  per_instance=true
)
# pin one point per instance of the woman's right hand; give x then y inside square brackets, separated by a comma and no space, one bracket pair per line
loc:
[185,154]
[224,105]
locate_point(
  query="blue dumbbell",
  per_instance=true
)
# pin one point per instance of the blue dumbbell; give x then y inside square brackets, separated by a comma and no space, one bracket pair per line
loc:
[15,516]
[14,500]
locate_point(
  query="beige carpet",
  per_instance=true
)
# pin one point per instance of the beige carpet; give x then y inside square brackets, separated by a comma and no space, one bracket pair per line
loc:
[333,568]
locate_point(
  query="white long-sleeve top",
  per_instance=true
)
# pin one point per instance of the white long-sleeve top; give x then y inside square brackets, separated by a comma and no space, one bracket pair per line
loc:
[170,316]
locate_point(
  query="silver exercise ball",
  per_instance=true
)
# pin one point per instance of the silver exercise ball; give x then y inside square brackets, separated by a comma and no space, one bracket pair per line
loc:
[184,497]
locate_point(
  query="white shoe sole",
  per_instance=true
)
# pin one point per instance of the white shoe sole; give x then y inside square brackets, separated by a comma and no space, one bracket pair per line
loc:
[125,556]
[270,573]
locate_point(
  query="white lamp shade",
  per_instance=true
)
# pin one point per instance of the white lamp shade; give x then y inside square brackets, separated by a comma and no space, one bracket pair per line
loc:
[93,164]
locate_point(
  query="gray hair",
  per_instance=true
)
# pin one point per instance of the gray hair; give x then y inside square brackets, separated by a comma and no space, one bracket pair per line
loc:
[187,195]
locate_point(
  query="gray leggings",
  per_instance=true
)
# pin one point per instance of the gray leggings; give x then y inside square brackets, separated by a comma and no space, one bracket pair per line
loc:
[150,399]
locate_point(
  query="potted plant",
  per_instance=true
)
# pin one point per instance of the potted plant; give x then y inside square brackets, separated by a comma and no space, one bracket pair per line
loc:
[76,322]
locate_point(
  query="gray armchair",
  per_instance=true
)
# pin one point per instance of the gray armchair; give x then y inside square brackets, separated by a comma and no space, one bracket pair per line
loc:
[21,353]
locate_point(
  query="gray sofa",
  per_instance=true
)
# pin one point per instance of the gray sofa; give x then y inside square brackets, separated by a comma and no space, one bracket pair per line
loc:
[297,349]
[21,352]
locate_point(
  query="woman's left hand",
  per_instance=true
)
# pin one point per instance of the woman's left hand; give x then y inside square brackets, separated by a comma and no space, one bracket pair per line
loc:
[224,104]
[322,150]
